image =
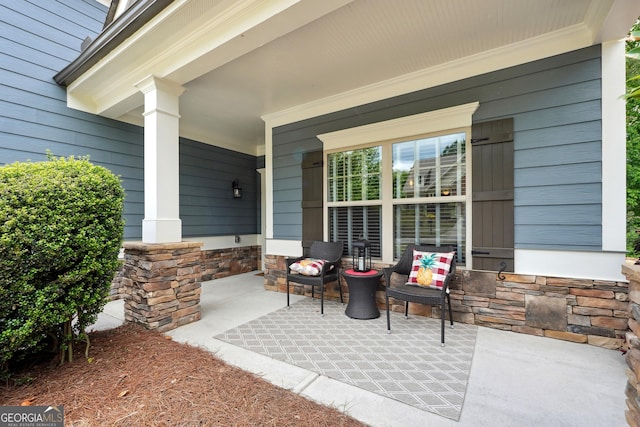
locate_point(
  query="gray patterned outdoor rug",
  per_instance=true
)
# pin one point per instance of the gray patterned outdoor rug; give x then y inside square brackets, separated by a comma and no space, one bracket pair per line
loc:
[408,365]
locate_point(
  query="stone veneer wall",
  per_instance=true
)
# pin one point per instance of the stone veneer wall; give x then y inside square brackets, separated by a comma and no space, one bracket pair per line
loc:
[162,284]
[632,272]
[578,310]
[117,288]
[215,263]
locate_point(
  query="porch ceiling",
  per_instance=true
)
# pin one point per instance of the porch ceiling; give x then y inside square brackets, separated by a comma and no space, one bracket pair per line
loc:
[244,60]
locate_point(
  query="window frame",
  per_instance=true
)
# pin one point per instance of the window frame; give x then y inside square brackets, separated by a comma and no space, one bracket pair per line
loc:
[435,200]
[456,119]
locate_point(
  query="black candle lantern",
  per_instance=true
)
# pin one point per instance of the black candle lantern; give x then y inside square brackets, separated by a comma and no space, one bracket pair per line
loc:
[361,255]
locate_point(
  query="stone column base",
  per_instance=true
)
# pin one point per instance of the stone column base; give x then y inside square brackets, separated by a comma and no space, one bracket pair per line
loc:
[162,282]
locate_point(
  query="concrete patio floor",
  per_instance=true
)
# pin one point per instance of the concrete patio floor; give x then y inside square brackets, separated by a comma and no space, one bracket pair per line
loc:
[515,379]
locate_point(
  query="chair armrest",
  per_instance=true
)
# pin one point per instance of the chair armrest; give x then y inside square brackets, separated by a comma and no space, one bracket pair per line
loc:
[387,271]
[447,281]
[334,261]
[326,268]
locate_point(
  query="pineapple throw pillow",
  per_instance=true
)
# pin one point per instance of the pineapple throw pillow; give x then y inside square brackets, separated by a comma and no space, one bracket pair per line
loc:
[430,269]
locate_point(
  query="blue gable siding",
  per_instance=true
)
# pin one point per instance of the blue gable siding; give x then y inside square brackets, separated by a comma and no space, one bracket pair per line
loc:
[38,39]
[555,104]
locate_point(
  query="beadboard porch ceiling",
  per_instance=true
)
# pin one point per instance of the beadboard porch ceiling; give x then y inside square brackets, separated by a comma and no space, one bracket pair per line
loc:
[245,61]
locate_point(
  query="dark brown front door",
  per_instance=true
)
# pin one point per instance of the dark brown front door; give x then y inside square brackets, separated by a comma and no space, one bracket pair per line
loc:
[492,197]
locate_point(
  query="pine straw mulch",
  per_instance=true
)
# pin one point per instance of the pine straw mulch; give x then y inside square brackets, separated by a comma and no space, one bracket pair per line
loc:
[143,378]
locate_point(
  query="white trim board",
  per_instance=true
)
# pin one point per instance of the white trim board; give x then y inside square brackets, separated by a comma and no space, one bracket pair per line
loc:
[290,248]
[614,154]
[224,242]
[571,264]
[417,124]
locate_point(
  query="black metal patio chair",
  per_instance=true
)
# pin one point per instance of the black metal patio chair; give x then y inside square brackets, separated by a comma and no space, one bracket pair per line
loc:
[418,294]
[331,253]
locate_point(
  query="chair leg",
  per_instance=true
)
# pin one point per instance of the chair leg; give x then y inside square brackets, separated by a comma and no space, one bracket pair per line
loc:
[321,299]
[406,309]
[288,294]
[388,316]
[450,312]
[442,323]
[340,288]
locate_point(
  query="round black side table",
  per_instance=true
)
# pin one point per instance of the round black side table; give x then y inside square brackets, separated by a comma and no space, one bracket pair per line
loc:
[362,293]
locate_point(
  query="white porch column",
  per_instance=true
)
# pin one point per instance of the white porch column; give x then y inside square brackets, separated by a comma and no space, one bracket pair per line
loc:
[614,150]
[161,223]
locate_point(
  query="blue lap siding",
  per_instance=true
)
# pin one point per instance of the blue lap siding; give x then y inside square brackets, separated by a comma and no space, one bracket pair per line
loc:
[556,108]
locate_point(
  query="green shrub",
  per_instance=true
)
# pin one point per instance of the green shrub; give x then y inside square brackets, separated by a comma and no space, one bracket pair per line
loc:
[61,229]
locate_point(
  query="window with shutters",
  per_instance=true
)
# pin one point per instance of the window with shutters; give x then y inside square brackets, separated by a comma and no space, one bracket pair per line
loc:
[401,181]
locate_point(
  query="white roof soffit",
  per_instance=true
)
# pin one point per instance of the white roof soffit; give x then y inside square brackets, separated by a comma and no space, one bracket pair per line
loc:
[605,20]
[184,41]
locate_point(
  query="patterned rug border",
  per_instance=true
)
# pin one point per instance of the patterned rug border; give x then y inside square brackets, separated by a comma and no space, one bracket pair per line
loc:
[408,365]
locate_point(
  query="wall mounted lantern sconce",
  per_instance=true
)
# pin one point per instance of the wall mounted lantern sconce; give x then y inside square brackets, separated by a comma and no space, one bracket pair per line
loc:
[237,190]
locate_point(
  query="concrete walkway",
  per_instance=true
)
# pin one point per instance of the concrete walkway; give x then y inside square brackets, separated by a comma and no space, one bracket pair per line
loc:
[516,380]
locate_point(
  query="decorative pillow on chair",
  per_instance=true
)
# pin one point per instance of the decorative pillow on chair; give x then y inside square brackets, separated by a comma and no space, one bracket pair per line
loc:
[430,269]
[308,266]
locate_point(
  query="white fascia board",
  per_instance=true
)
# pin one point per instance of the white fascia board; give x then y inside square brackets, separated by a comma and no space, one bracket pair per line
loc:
[558,42]
[619,18]
[570,264]
[614,180]
[119,103]
[219,141]
[79,100]
[98,83]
